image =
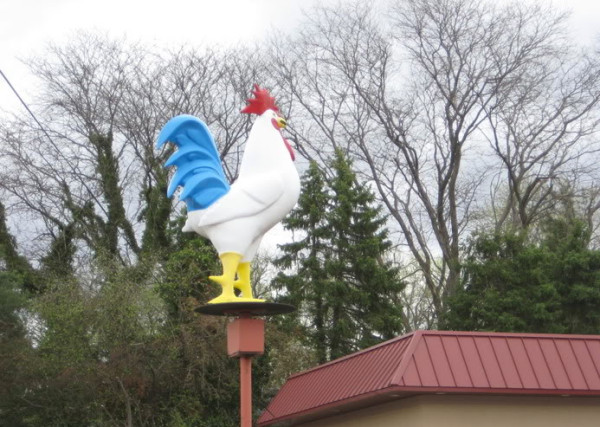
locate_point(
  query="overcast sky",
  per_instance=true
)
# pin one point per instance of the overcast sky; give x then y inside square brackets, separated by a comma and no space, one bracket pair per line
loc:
[26,26]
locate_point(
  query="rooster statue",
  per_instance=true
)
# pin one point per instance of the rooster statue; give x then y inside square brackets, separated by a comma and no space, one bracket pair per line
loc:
[234,217]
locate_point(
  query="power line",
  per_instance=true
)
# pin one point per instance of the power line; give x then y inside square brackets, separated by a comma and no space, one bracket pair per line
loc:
[25,105]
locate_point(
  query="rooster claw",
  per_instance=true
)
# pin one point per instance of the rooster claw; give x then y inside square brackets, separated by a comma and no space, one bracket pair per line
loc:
[227,295]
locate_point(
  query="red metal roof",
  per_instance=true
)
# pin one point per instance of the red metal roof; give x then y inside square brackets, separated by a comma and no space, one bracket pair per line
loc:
[444,362]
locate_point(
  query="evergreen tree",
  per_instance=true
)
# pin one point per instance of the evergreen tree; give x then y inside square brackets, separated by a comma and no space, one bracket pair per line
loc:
[366,307]
[309,286]
[343,287]
[513,284]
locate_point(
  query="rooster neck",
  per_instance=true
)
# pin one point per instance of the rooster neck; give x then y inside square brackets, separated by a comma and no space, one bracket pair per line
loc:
[265,149]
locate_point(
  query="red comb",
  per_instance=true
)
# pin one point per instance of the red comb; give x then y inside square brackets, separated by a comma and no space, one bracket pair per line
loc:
[261,102]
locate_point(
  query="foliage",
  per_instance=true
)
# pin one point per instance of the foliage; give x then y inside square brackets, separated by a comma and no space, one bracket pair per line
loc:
[309,286]
[14,348]
[109,353]
[514,284]
[185,281]
[11,261]
[339,279]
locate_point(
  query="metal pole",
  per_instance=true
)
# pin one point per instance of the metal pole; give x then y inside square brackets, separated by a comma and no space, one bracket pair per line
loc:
[245,391]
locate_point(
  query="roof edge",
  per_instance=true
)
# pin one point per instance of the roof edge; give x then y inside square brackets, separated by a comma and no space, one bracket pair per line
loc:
[328,406]
[420,391]
[352,355]
[417,335]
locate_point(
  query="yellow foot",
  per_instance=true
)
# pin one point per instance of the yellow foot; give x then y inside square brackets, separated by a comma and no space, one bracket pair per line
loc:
[227,295]
[244,288]
[230,262]
[243,282]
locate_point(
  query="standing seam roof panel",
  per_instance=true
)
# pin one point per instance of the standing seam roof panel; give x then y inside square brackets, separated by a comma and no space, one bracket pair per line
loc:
[490,363]
[439,358]
[411,377]
[587,364]
[594,351]
[540,366]
[522,363]
[457,362]
[475,366]
[424,365]
[555,365]
[571,365]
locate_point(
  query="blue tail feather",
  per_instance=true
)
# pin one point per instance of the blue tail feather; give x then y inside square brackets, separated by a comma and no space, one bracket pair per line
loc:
[199,169]
[180,177]
[202,179]
[188,150]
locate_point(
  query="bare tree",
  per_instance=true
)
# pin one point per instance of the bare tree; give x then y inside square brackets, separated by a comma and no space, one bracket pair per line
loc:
[91,177]
[76,169]
[542,130]
[414,98]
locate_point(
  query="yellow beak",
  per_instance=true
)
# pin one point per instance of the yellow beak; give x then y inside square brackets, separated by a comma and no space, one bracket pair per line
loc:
[281,122]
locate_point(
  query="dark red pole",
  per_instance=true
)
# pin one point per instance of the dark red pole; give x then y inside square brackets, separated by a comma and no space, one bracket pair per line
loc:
[246,391]
[245,339]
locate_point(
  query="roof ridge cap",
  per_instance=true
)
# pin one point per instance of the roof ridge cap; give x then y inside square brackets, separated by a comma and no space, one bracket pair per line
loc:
[352,355]
[511,334]
[406,357]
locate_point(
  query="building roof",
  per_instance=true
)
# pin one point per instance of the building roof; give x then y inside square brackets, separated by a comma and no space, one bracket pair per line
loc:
[442,362]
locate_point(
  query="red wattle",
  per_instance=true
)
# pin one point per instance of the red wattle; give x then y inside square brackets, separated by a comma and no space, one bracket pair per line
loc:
[290,149]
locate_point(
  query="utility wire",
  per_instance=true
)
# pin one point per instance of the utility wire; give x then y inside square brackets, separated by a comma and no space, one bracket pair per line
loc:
[26,106]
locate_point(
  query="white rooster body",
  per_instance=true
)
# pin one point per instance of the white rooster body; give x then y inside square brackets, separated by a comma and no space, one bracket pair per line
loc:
[267,188]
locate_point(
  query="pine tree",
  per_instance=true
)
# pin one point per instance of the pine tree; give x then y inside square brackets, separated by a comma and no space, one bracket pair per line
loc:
[367,308]
[343,287]
[309,286]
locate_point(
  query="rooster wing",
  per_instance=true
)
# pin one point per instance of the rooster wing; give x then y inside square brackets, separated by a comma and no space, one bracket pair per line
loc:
[247,197]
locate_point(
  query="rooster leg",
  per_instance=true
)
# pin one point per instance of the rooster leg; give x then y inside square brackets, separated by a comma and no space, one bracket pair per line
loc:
[230,262]
[243,282]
